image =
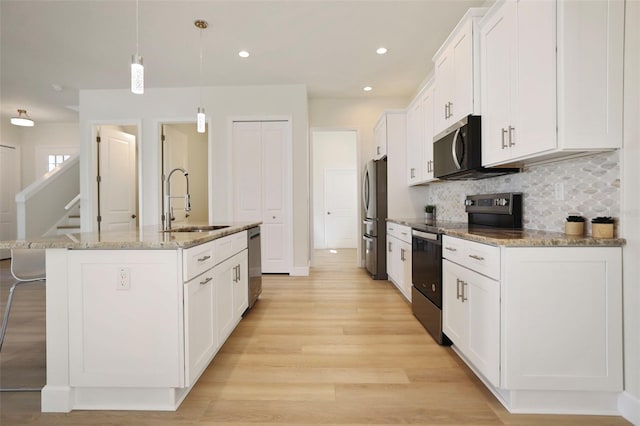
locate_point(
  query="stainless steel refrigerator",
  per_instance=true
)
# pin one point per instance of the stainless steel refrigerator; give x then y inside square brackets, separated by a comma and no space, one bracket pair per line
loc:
[374,233]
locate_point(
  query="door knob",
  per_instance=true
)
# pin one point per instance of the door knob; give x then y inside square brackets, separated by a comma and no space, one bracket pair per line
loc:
[328,212]
[133,216]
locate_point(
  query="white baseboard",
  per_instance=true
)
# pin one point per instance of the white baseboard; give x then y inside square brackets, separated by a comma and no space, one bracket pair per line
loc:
[300,271]
[629,407]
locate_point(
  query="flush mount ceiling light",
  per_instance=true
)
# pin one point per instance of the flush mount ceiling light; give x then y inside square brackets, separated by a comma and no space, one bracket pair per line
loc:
[137,69]
[367,88]
[381,50]
[243,54]
[200,117]
[22,119]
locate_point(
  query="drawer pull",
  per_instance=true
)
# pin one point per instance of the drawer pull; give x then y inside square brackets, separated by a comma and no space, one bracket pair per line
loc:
[476,257]
[205,281]
[450,249]
[203,258]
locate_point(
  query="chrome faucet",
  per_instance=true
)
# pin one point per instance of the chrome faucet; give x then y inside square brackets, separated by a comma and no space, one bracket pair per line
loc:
[168,215]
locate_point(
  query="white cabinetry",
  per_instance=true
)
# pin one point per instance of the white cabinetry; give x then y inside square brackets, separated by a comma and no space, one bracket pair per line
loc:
[380,137]
[457,73]
[541,326]
[399,257]
[539,102]
[420,137]
[471,305]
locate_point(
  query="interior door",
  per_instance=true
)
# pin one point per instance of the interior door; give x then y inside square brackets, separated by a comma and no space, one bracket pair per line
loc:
[340,200]
[9,176]
[117,183]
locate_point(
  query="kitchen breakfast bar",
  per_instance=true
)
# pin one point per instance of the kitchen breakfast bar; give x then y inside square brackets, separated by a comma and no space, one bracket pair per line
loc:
[134,318]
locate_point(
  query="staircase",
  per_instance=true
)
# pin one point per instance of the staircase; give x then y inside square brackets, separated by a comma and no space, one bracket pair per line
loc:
[70,224]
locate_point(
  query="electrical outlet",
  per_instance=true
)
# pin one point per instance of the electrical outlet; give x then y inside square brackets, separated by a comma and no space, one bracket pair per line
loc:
[124,279]
[559,191]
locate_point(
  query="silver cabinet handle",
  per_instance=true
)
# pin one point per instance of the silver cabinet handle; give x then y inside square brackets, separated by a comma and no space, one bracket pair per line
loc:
[238,273]
[446,114]
[458,294]
[378,150]
[504,132]
[203,258]
[463,298]
[511,141]
[476,257]
[451,249]
[413,172]
[402,254]
[450,112]
[205,281]
[389,246]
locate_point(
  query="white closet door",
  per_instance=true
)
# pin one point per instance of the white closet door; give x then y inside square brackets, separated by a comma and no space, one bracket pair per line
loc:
[260,180]
[10,178]
[247,171]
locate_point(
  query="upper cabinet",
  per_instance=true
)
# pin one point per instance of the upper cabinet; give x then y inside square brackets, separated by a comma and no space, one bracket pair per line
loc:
[380,136]
[420,137]
[457,87]
[551,78]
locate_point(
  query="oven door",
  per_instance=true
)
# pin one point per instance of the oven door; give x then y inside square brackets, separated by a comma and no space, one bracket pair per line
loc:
[426,265]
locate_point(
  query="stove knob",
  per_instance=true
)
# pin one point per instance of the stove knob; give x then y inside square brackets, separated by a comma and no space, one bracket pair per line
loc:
[504,201]
[468,202]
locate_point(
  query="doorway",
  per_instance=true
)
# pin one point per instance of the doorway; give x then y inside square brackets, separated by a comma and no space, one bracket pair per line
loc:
[117,185]
[10,178]
[334,188]
[183,147]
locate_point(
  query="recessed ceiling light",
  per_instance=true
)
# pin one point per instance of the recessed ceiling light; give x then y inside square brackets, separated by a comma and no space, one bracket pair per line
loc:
[367,88]
[381,50]
[56,87]
[243,54]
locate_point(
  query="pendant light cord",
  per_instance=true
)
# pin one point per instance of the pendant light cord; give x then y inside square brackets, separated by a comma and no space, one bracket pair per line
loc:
[200,82]
[137,29]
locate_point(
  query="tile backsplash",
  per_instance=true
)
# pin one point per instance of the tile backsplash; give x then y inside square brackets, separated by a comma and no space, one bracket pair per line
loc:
[590,186]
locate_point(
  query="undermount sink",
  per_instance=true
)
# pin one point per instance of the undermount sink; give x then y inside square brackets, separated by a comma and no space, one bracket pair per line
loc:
[203,228]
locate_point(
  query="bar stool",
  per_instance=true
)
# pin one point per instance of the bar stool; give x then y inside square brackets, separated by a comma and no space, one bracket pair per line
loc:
[27,266]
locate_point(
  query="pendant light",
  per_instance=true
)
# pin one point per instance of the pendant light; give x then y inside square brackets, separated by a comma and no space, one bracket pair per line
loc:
[200,116]
[137,69]
[22,119]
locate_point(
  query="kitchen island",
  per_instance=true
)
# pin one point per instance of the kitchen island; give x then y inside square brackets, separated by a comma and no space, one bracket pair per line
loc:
[134,318]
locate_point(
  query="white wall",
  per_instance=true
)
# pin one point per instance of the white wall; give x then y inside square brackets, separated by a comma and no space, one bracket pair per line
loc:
[630,229]
[179,105]
[331,150]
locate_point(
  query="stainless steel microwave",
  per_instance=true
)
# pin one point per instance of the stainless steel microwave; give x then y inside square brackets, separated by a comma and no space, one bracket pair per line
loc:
[457,153]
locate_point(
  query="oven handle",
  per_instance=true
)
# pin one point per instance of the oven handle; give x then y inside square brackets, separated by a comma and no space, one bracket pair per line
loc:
[424,235]
[453,148]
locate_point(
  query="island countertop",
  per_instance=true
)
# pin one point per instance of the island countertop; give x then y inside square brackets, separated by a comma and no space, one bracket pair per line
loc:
[145,238]
[508,237]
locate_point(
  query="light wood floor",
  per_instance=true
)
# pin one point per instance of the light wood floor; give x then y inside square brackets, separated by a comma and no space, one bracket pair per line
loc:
[332,348]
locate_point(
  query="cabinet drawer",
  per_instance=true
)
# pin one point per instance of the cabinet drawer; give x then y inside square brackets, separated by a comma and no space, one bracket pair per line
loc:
[401,232]
[229,245]
[198,259]
[478,257]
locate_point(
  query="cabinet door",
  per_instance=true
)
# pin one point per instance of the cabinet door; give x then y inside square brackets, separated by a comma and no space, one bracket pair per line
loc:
[462,89]
[535,82]
[405,259]
[224,275]
[427,102]
[484,324]
[241,284]
[380,136]
[443,90]
[562,316]
[497,50]
[392,248]
[200,325]
[454,310]
[415,145]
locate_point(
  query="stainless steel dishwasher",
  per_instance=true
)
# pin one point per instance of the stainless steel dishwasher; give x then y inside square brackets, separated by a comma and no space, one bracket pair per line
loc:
[255,265]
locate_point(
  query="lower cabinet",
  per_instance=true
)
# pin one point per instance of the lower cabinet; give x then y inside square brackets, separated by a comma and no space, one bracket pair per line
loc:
[542,327]
[471,317]
[399,257]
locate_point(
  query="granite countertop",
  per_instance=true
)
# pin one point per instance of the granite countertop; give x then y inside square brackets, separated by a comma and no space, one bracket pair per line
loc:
[148,237]
[507,237]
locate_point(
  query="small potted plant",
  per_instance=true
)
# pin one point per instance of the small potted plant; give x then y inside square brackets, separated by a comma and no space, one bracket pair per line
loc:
[602,227]
[430,212]
[574,225]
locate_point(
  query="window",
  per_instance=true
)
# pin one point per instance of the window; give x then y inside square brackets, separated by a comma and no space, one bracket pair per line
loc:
[56,160]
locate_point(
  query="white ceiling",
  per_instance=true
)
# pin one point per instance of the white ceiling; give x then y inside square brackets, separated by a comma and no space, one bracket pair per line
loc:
[327,45]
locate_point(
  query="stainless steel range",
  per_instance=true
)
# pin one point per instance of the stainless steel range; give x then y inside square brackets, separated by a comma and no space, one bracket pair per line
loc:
[484,212]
